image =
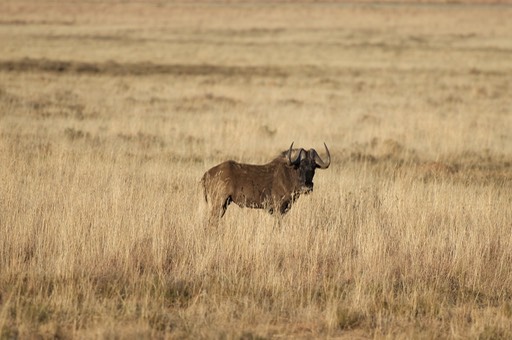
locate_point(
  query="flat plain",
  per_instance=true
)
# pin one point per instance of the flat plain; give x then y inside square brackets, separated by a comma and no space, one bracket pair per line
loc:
[110,112]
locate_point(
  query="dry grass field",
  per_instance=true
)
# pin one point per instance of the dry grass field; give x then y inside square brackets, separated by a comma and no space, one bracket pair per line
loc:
[111,111]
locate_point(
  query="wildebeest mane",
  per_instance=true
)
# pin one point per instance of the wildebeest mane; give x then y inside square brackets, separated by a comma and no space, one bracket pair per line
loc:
[284,154]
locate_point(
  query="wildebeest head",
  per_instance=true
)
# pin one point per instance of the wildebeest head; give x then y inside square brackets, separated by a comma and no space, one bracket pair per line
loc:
[306,162]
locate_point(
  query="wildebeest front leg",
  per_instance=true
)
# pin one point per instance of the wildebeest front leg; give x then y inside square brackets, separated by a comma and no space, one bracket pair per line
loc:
[285,206]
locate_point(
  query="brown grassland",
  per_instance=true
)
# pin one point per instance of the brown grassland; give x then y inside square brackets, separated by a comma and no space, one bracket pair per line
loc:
[110,112]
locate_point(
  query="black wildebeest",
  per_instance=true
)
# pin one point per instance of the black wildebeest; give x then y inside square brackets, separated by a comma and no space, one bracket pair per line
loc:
[273,186]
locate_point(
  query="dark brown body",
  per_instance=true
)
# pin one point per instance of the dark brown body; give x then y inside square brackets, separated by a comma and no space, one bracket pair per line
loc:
[273,186]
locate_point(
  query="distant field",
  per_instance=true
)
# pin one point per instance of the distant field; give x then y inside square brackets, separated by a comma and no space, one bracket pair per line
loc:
[110,113]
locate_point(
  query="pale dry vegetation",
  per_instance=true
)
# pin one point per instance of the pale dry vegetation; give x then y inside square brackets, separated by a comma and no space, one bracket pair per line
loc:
[111,112]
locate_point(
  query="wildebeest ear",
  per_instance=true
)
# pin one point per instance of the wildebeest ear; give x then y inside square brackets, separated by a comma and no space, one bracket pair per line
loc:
[302,155]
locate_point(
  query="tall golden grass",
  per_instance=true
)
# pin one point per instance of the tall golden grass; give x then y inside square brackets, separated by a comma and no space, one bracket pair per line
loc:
[110,113]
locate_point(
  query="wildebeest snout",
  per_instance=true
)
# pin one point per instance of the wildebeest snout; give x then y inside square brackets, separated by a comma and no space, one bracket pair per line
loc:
[308,188]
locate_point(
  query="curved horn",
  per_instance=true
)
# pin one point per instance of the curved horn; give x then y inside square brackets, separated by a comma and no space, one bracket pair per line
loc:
[297,159]
[319,162]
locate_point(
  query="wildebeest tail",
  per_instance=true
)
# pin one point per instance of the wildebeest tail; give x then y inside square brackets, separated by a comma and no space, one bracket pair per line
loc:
[203,183]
